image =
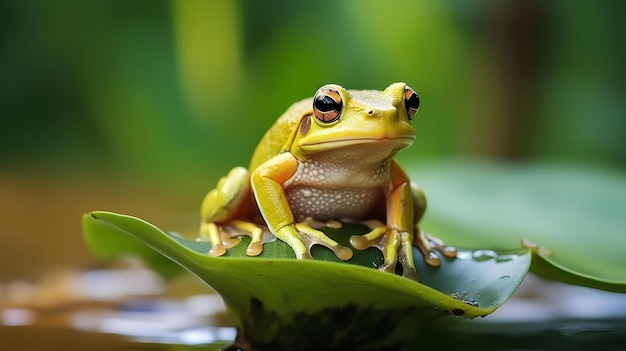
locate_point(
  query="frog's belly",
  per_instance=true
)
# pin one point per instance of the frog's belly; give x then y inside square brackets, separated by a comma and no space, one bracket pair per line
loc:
[326,204]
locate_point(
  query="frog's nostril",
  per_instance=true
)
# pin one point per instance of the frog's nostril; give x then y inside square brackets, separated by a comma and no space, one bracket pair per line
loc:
[370,112]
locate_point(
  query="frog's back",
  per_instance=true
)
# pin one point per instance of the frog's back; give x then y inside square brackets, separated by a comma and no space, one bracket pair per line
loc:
[280,133]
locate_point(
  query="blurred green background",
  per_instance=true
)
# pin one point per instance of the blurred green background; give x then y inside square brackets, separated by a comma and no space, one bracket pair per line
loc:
[140,106]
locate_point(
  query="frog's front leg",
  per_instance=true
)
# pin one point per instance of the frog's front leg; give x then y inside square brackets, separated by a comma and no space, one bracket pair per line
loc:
[395,239]
[221,209]
[267,184]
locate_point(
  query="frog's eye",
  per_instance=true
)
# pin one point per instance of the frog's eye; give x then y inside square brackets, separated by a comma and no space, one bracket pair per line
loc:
[327,105]
[411,102]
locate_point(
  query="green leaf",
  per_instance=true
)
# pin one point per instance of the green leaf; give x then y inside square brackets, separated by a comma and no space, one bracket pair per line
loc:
[577,213]
[115,244]
[281,301]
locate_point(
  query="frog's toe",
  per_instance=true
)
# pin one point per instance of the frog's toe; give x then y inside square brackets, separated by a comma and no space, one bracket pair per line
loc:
[211,232]
[258,238]
[254,248]
[371,239]
[430,257]
[255,232]
[225,241]
[310,236]
[427,244]
[344,253]
[217,250]
[225,236]
[395,245]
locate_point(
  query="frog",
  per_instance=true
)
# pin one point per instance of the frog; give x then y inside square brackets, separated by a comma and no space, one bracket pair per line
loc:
[329,159]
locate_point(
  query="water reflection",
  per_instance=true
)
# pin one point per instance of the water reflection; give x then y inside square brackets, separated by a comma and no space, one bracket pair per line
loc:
[130,307]
[160,321]
[102,284]
[16,317]
[127,301]
[539,300]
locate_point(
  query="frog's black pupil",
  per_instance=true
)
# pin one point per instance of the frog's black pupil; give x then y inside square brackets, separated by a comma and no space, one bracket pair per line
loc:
[413,101]
[326,103]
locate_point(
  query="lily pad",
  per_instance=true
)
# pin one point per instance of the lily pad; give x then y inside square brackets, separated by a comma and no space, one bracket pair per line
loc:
[578,214]
[282,303]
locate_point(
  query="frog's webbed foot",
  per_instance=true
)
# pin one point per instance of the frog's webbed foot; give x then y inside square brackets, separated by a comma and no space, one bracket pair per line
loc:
[225,236]
[427,244]
[396,246]
[304,235]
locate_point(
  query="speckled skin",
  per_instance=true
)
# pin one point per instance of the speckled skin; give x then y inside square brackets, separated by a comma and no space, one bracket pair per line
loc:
[328,187]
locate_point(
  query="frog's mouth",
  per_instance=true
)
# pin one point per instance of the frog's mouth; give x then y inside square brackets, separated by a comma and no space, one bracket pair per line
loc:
[339,143]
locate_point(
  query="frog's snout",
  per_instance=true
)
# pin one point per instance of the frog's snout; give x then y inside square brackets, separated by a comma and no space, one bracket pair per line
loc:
[382,113]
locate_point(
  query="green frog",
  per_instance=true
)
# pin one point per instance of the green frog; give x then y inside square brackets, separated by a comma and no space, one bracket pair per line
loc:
[327,159]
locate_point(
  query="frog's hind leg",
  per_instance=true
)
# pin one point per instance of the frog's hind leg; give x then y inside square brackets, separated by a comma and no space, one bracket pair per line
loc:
[222,209]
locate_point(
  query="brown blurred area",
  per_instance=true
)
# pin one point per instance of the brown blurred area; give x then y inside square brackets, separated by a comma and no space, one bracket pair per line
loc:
[40,230]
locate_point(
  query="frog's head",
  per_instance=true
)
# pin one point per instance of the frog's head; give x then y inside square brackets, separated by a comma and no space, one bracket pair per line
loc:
[358,120]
